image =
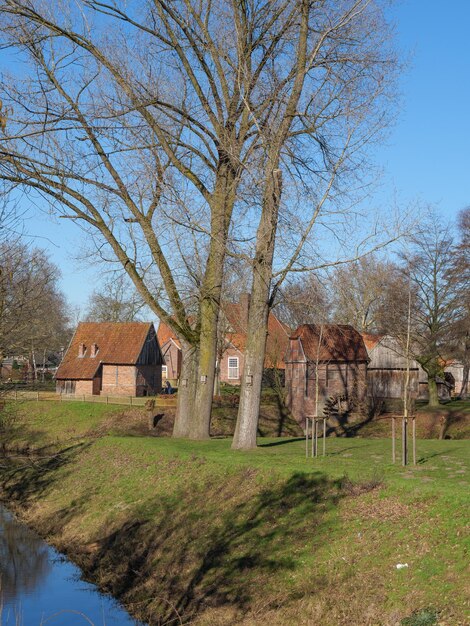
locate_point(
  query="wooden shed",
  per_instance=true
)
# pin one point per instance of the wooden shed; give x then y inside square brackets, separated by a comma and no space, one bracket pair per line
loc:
[386,372]
[333,358]
[112,358]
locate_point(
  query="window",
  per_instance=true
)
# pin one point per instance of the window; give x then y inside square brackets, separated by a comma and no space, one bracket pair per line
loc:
[164,372]
[233,368]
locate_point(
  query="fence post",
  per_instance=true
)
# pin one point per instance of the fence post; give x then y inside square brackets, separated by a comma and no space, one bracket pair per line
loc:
[404,444]
[306,437]
[324,436]
[37,396]
[393,441]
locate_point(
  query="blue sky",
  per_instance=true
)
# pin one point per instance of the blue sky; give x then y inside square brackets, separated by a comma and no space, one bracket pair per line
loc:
[425,157]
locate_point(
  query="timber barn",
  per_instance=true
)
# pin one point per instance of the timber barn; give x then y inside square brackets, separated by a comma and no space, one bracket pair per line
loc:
[386,372]
[112,358]
[328,363]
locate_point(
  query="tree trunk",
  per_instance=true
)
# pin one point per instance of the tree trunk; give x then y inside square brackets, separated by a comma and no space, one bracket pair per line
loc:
[464,388]
[250,392]
[186,391]
[200,423]
[211,291]
[432,390]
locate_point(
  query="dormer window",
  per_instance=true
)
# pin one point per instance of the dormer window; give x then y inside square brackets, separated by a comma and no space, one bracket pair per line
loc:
[81,350]
[94,350]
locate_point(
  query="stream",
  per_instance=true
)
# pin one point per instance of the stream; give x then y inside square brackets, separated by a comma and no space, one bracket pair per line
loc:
[39,586]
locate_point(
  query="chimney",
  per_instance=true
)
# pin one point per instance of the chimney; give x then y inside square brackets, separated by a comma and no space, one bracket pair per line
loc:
[81,350]
[244,301]
[93,350]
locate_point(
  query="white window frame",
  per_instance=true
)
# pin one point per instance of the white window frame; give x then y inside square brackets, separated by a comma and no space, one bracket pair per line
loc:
[164,372]
[231,368]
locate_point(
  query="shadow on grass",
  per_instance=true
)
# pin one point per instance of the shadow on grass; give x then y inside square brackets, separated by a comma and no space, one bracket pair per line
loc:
[213,547]
[280,443]
[28,477]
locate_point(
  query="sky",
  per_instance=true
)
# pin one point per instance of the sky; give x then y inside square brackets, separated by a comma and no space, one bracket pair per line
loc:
[425,158]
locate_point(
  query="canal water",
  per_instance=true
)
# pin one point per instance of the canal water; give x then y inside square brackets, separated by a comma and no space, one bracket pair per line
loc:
[40,587]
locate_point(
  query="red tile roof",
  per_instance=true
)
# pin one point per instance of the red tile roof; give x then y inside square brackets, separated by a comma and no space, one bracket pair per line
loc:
[118,343]
[235,333]
[164,334]
[371,340]
[339,342]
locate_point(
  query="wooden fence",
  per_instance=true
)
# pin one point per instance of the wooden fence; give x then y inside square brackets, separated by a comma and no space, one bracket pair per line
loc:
[51,396]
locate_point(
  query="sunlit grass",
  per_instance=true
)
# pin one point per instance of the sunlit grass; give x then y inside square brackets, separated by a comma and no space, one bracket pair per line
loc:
[266,535]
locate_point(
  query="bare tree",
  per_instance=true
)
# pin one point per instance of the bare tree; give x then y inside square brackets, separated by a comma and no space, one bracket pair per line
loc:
[364,292]
[33,313]
[124,125]
[460,275]
[114,301]
[331,99]
[303,301]
[435,307]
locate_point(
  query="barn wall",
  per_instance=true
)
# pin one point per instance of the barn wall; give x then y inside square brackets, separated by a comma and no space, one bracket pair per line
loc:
[150,353]
[388,354]
[119,380]
[65,386]
[334,379]
[172,360]
[149,380]
[84,387]
[390,383]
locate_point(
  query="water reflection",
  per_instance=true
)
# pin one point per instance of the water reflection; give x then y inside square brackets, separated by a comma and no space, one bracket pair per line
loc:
[24,558]
[38,586]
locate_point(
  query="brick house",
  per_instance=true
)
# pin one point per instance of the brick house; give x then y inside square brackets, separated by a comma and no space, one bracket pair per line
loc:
[112,358]
[233,323]
[171,353]
[332,356]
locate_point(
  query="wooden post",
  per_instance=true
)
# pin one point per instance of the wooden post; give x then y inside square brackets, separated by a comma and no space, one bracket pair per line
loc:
[107,399]
[414,439]
[404,441]
[394,456]
[316,436]
[324,436]
[313,437]
[306,437]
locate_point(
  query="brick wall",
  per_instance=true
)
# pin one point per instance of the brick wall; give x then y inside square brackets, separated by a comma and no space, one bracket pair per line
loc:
[172,360]
[334,379]
[84,387]
[119,380]
[224,369]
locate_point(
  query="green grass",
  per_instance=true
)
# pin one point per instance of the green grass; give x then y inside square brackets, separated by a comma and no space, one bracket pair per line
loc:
[227,537]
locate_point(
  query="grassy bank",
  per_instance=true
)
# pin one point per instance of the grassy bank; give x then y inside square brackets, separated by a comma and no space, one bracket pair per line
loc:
[190,531]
